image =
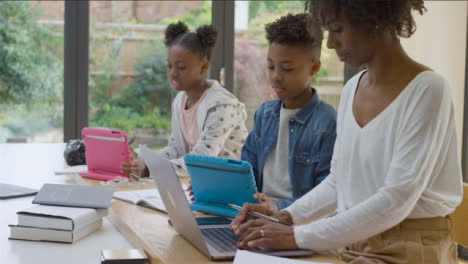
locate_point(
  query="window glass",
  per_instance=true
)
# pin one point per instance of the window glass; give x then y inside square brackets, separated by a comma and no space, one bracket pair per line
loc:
[128,88]
[31,71]
[251,82]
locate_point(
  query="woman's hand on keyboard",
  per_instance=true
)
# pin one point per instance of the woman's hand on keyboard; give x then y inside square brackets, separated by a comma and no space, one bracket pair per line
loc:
[260,233]
[243,214]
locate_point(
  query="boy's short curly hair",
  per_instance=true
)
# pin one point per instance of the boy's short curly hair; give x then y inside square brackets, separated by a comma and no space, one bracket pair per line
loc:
[293,30]
[372,15]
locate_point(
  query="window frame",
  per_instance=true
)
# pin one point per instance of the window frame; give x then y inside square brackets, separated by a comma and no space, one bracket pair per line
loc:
[464,154]
[75,75]
[76,59]
[76,66]
[222,63]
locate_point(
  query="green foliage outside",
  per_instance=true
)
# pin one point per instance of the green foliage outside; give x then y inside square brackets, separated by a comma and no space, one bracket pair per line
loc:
[196,17]
[262,12]
[145,100]
[142,102]
[150,83]
[31,73]
[125,118]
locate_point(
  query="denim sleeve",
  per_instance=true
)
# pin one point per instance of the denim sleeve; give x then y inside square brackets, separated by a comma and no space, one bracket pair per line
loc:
[249,150]
[282,203]
[326,153]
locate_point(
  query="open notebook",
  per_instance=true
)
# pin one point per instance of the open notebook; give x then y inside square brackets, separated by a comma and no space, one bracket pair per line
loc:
[148,198]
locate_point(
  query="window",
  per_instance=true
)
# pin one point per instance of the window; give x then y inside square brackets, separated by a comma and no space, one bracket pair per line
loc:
[128,88]
[251,84]
[31,71]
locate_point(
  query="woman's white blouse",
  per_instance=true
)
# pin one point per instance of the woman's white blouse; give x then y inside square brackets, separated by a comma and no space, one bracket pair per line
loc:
[402,164]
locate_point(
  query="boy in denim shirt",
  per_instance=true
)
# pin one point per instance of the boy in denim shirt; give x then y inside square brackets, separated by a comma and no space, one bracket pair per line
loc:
[291,144]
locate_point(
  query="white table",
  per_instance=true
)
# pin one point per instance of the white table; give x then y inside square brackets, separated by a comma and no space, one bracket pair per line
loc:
[32,165]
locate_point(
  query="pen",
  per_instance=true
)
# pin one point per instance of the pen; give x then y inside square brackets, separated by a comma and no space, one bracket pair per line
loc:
[259,215]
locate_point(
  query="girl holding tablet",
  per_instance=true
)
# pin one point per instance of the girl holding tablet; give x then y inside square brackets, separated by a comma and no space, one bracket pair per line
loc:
[206,118]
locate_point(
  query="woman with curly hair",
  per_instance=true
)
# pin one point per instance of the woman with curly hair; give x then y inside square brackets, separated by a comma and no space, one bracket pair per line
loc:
[395,174]
[206,118]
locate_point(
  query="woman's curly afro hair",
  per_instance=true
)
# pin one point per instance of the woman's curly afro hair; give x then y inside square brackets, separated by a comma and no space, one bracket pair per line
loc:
[373,15]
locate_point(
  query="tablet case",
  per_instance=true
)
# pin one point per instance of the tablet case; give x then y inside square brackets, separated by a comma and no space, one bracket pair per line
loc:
[217,182]
[105,150]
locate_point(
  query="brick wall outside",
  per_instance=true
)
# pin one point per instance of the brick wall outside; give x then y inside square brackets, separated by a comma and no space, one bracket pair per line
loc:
[147,12]
[50,10]
[131,42]
[153,11]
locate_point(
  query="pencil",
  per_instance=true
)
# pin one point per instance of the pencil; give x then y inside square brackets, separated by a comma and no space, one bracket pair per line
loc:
[259,215]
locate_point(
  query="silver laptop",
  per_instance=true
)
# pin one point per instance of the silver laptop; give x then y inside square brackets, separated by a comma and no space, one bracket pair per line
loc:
[218,242]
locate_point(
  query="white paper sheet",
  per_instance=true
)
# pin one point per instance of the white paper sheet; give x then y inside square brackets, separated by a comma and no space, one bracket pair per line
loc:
[71,170]
[248,257]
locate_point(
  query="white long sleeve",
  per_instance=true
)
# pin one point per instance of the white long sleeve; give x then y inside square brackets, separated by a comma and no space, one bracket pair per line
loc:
[218,138]
[221,126]
[403,164]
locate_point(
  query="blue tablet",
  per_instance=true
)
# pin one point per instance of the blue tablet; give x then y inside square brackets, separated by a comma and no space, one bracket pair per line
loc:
[217,182]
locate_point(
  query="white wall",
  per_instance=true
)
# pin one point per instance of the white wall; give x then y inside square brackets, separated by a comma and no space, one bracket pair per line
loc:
[241,12]
[440,43]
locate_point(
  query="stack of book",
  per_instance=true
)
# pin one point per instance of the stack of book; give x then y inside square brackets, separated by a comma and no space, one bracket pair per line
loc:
[64,213]
[56,223]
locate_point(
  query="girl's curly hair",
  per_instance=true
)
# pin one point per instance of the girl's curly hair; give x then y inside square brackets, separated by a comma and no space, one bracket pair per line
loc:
[202,41]
[374,15]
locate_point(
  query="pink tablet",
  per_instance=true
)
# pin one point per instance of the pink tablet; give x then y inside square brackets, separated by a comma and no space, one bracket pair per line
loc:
[105,150]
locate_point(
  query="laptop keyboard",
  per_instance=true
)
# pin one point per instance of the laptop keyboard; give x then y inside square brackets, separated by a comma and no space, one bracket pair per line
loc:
[223,239]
